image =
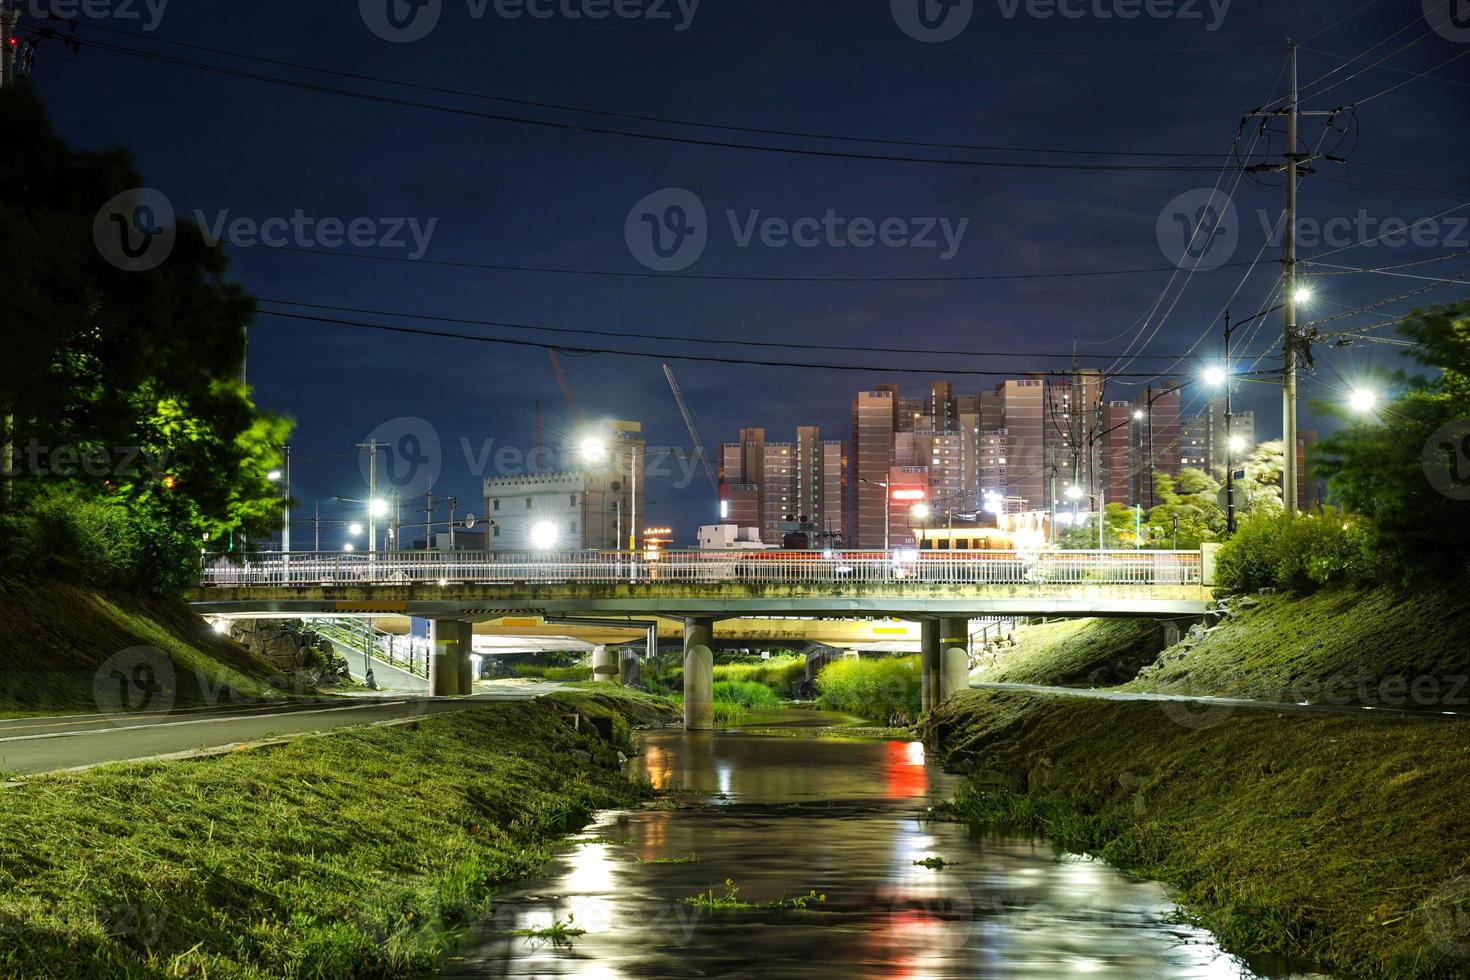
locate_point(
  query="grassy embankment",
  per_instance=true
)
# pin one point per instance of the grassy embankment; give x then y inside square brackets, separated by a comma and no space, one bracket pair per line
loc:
[58,637]
[349,854]
[1342,840]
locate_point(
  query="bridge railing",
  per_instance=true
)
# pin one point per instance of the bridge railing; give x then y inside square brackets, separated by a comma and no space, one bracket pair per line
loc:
[1075,568]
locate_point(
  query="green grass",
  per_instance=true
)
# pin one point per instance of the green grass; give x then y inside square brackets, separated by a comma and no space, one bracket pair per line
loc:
[1077,652]
[781,675]
[1330,838]
[1372,646]
[59,638]
[748,694]
[355,853]
[708,901]
[883,689]
[560,933]
[543,672]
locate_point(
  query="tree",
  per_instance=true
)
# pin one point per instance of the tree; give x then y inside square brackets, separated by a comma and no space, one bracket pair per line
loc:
[123,386]
[1405,466]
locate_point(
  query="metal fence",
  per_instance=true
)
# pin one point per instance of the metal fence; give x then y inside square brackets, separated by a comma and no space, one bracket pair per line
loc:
[774,567]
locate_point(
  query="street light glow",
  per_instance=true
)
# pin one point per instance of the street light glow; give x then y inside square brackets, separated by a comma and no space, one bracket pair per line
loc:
[354,528]
[1362,400]
[348,547]
[919,511]
[543,535]
[1302,294]
[1138,415]
[378,507]
[1074,493]
[1237,443]
[1215,375]
[274,476]
[593,448]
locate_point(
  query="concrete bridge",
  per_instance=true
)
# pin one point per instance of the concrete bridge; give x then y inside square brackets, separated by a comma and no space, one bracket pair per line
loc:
[941,590]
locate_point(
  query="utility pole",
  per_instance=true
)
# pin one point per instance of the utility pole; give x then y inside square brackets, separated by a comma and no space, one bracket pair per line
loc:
[1289,340]
[1292,343]
[9,43]
[286,486]
[371,447]
[1229,448]
[317,541]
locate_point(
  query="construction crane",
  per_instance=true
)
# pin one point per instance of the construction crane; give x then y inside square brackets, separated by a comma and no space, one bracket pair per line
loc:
[709,470]
[566,386]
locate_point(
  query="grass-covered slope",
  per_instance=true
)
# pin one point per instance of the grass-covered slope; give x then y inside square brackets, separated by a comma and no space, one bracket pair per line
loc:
[1350,646]
[348,854]
[59,645]
[1077,652]
[1344,841]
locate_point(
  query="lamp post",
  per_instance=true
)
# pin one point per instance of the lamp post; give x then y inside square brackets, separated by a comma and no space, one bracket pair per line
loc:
[1076,493]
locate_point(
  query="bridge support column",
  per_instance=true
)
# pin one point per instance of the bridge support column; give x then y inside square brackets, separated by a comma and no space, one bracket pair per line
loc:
[930,652]
[1174,628]
[630,671]
[449,659]
[604,664]
[954,662]
[699,674]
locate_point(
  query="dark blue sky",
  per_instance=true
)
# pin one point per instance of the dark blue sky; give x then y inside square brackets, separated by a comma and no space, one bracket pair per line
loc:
[508,193]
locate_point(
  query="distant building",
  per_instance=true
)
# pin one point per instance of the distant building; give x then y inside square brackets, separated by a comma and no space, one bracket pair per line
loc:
[770,484]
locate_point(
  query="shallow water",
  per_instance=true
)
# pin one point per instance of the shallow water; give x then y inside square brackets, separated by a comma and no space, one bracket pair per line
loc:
[784,816]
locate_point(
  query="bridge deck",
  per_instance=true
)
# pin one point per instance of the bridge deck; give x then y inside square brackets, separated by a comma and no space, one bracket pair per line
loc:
[719,584]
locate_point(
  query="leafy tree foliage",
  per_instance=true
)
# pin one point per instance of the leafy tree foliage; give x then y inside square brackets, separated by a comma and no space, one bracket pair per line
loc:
[1393,467]
[122,396]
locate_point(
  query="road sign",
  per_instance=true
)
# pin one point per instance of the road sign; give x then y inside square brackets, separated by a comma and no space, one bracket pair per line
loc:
[1222,498]
[469,521]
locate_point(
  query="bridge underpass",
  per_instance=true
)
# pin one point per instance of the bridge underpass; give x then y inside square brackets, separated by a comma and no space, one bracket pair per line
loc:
[939,592]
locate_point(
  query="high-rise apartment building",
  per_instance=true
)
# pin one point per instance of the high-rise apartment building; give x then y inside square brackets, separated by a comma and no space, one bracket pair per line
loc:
[874,422]
[768,484]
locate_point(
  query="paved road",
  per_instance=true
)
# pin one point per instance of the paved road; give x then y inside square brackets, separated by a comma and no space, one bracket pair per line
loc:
[41,744]
[1220,707]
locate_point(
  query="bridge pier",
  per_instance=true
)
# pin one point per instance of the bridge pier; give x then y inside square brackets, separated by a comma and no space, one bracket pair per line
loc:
[449,661]
[1174,629]
[630,670]
[699,674]
[954,662]
[604,664]
[930,653]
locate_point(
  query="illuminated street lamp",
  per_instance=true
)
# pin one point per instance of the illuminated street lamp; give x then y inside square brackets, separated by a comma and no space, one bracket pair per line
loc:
[919,511]
[1363,400]
[349,547]
[1215,376]
[544,535]
[1237,443]
[1302,294]
[354,528]
[378,507]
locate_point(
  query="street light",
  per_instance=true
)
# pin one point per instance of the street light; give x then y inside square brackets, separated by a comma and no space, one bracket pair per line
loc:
[543,535]
[592,448]
[1076,493]
[274,476]
[1237,444]
[1363,400]
[1302,294]
[354,528]
[348,547]
[1215,376]
[378,507]
[919,511]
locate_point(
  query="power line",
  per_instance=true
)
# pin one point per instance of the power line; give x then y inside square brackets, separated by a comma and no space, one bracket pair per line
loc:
[655,137]
[718,277]
[680,338]
[639,117]
[666,355]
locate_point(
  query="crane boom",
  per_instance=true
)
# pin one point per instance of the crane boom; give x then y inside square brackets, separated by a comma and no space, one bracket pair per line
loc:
[566,386]
[709,471]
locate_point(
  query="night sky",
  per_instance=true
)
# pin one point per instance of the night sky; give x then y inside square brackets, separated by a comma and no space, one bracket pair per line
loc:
[508,193]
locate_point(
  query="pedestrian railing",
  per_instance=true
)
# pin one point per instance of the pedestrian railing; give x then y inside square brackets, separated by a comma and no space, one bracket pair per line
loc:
[1043,568]
[360,635]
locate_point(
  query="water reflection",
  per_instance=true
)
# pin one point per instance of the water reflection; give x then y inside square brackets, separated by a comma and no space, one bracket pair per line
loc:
[840,818]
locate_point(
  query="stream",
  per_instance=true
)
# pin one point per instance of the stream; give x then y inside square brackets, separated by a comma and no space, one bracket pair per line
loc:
[782,816]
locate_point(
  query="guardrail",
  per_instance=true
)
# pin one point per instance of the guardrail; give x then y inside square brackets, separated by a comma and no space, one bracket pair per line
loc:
[359,634]
[812,567]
